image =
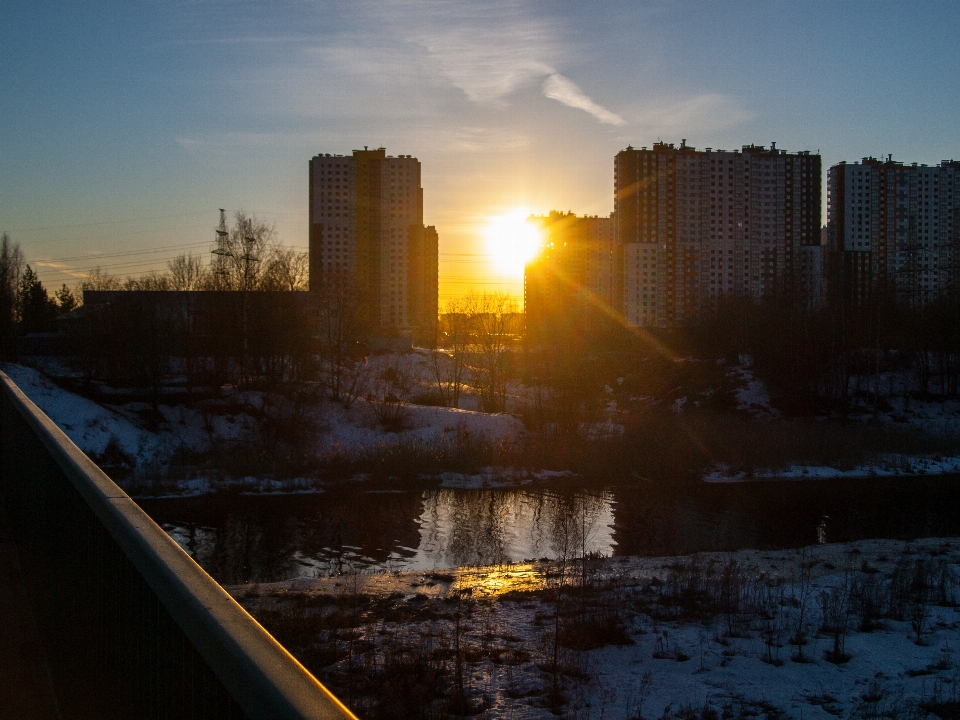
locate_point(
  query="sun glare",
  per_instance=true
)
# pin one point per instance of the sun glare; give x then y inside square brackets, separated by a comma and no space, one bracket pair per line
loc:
[512,242]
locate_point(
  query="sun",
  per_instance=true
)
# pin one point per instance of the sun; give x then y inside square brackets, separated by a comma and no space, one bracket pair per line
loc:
[512,242]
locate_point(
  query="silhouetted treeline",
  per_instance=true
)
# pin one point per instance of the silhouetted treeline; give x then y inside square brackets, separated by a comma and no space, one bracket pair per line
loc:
[25,305]
[812,359]
[673,395]
[841,355]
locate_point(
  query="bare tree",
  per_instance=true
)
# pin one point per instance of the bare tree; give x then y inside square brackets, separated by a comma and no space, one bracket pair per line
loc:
[836,607]
[773,622]
[449,351]
[646,685]
[187,272]
[564,540]
[918,609]
[148,281]
[11,267]
[339,329]
[96,279]
[239,263]
[287,269]
[802,589]
[389,390]
[491,315]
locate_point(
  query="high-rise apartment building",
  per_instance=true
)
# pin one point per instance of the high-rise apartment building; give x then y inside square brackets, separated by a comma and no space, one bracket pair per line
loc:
[893,228]
[694,226]
[572,279]
[366,230]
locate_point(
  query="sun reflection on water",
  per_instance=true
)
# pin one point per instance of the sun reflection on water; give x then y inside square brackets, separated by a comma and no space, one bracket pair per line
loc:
[492,582]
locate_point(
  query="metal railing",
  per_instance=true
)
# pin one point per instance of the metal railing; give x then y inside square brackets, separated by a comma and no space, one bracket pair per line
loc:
[131,626]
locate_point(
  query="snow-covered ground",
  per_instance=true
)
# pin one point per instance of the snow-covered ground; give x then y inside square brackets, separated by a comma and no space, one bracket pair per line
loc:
[678,659]
[937,418]
[752,394]
[92,427]
[673,661]
[96,429]
[100,430]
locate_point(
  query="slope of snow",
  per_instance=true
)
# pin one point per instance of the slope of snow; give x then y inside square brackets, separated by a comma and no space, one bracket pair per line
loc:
[357,427]
[90,426]
[200,427]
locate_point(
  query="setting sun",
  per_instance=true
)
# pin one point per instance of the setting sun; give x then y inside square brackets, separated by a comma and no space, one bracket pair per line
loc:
[512,242]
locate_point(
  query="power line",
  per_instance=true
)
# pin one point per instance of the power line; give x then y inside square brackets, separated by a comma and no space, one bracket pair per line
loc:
[108,222]
[125,253]
[145,219]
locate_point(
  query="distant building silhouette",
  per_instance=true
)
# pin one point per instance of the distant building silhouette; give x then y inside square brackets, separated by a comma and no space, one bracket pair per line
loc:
[571,282]
[694,226]
[366,230]
[893,229]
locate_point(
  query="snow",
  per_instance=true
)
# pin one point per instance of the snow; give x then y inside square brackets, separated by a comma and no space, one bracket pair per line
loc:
[197,428]
[887,669]
[355,427]
[752,395]
[687,663]
[90,426]
[885,466]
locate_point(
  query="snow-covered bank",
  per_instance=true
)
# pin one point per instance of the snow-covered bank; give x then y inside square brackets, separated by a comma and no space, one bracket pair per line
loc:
[117,433]
[144,454]
[886,466]
[494,477]
[685,654]
[92,427]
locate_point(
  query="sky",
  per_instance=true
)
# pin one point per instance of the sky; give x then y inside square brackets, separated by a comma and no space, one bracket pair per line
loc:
[125,126]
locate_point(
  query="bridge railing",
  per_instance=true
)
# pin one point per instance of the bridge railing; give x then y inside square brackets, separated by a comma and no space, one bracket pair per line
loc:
[131,626]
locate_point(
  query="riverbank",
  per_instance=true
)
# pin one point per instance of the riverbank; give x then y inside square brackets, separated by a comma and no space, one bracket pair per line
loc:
[268,443]
[866,629]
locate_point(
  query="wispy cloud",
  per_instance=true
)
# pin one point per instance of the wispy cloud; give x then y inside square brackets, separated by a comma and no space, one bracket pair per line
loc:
[557,87]
[707,112]
[487,50]
[62,268]
[490,50]
[486,140]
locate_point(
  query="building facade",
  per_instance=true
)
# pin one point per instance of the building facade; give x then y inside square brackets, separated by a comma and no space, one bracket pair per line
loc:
[893,229]
[366,230]
[572,279]
[695,226]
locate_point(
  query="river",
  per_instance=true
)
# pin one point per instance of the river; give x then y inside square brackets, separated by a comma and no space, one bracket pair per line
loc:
[266,538]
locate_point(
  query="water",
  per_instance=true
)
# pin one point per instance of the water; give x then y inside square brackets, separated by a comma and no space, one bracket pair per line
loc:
[240,539]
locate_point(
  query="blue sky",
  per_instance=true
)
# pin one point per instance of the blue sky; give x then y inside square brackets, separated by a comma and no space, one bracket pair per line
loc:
[124,126]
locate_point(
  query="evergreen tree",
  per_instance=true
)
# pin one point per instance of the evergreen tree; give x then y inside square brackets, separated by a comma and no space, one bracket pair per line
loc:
[35,309]
[65,299]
